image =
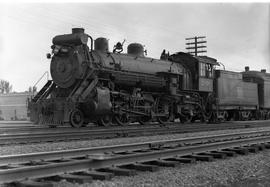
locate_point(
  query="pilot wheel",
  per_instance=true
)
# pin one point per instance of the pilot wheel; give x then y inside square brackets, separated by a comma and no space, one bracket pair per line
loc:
[76,118]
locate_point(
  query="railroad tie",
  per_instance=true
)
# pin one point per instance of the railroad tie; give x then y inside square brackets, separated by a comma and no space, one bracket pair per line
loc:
[123,152]
[96,175]
[143,150]
[260,146]
[215,155]
[32,183]
[182,160]
[164,163]
[35,163]
[239,150]
[267,145]
[198,157]
[227,153]
[74,178]
[141,167]
[252,149]
[9,166]
[118,171]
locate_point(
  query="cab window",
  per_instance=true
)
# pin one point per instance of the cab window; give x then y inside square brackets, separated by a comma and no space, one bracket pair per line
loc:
[206,70]
[209,70]
[202,69]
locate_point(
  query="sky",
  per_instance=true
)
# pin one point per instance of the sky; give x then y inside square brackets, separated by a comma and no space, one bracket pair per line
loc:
[237,34]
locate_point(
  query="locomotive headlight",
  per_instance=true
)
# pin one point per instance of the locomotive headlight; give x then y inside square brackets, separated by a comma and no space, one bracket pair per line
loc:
[64,50]
[55,50]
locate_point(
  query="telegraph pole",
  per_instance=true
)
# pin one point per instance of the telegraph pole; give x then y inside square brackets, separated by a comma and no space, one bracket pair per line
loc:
[195,45]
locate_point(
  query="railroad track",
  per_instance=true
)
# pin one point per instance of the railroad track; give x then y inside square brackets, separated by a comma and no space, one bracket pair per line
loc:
[28,127]
[84,165]
[71,134]
[15,124]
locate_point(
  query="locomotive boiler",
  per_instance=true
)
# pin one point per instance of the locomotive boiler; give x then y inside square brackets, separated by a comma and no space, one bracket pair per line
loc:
[96,85]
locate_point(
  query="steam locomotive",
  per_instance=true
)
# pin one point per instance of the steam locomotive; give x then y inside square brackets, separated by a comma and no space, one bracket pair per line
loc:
[107,88]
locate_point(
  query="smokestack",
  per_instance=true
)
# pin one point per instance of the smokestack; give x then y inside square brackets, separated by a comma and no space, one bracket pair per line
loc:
[263,70]
[77,30]
[247,68]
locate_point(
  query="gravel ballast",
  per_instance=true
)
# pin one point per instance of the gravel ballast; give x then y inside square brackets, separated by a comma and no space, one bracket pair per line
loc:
[250,170]
[242,171]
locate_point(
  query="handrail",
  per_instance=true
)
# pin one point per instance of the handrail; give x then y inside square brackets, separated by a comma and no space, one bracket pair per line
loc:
[222,65]
[46,73]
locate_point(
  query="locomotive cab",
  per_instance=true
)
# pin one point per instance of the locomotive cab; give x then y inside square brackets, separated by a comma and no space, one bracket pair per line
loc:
[200,76]
[206,73]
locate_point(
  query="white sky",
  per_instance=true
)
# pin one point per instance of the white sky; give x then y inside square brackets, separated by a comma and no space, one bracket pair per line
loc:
[237,34]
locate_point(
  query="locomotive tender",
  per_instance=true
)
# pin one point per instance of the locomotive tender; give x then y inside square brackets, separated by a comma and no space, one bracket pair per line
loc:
[95,85]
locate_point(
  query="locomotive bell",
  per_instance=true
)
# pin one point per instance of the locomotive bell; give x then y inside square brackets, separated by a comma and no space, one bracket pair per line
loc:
[135,49]
[101,44]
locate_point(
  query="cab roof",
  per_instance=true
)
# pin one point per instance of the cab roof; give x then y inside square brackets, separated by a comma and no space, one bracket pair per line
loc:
[202,59]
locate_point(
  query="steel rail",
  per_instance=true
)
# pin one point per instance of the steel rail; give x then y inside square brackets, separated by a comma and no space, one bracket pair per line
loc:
[21,130]
[9,130]
[51,169]
[5,126]
[16,159]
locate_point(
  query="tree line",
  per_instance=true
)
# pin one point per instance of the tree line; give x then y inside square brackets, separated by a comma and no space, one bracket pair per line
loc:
[6,87]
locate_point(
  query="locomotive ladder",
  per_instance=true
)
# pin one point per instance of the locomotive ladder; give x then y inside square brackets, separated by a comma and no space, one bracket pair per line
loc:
[44,92]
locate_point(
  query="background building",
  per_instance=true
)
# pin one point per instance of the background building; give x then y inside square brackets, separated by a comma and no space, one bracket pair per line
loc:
[13,106]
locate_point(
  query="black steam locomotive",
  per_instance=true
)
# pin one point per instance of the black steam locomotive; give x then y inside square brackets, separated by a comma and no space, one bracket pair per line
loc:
[95,85]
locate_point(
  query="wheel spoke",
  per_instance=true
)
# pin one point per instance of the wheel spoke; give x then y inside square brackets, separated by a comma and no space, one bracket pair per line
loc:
[122,119]
[163,107]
